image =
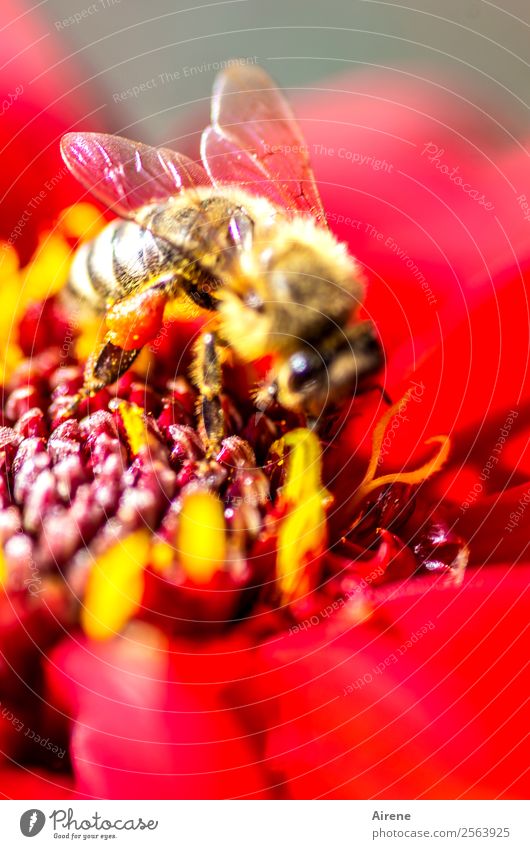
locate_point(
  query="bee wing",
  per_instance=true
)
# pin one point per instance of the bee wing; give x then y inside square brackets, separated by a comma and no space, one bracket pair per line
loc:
[127,175]
[254,140]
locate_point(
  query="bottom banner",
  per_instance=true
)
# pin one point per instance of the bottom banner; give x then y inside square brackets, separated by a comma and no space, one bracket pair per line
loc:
[240,825]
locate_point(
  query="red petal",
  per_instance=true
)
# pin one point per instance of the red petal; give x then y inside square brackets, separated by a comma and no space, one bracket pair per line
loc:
[41,97]
[474,388]
[498,526]
[362,713]
[142,731]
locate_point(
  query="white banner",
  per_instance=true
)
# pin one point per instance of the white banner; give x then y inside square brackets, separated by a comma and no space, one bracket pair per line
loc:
[265,825]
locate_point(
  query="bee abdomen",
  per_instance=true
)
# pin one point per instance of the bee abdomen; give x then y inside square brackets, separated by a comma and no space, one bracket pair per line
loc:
[92,277]
[116,263]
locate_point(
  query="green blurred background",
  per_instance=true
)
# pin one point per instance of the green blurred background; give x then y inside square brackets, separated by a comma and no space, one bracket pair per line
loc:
[169,49]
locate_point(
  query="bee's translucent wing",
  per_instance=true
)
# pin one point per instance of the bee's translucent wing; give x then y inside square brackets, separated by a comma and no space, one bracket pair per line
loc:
[127,175]
[227,163]
[255,140]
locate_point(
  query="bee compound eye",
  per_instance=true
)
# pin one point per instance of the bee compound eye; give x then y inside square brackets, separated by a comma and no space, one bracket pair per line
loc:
[305,368]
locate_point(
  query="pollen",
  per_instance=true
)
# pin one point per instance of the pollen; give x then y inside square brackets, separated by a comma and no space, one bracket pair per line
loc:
[201,536]
[134,321]
[416,476]
[115,587]
[133,418]
[302,533]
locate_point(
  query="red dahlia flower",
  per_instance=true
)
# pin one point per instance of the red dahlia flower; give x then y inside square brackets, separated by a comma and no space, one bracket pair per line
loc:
[294,619]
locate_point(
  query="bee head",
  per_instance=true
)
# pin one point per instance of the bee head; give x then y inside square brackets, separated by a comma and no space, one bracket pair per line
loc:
[312,379]
[307,284]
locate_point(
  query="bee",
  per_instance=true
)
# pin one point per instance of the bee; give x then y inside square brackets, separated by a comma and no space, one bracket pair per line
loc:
[242,235]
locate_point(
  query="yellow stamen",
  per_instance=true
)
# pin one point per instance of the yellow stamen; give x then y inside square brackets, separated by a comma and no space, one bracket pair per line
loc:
[302,531]
[13,302]
[370,483]
[201,537]
[48,270]
[115,587]
[81,221]
[133,419]
[91,332]
[8,259]
[162,556]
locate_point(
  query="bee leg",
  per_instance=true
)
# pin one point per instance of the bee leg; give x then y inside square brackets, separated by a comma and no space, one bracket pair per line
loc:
[207,377]
[104,367]
[266,395]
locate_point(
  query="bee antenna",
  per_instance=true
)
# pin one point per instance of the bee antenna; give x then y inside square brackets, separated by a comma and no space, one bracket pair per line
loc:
[379,388]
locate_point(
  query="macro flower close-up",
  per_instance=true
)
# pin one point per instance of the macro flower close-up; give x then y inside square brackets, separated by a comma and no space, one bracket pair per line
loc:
[218,584]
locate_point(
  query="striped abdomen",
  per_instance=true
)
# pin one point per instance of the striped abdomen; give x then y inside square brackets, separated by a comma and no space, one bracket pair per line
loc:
[117,262]
[194,235]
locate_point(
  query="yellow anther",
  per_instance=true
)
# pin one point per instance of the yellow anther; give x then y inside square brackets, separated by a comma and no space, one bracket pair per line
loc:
[135,426]
[115,587]
[201,536]
[302,532]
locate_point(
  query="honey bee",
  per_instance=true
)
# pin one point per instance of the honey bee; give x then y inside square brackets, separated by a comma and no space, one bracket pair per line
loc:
[242,235]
